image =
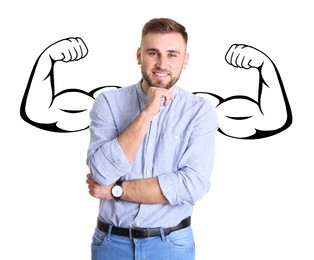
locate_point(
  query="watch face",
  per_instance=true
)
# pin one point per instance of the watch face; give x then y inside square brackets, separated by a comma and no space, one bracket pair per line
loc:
[117,191]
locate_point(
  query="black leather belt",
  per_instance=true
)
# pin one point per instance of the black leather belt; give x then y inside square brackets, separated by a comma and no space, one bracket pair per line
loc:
[141,232]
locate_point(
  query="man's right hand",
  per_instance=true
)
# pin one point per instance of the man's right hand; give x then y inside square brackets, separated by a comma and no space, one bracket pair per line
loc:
[98,191]
[155,96]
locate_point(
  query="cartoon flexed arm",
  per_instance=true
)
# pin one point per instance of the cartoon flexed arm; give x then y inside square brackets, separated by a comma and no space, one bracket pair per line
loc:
[239,116]
[246,118]
[66,111]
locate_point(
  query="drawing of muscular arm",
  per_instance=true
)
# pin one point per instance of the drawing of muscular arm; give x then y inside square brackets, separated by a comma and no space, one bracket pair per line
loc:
[66,111]
[239,116]
[245,118]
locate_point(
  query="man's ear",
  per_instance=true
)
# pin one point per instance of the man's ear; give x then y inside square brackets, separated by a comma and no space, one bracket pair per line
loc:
[139,56]
[186,60]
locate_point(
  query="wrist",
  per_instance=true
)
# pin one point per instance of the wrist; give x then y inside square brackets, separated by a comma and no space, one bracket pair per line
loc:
[117,190]
[147,115]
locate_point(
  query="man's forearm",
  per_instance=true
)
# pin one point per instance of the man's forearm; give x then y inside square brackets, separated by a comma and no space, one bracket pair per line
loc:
[132,137]
[146,191]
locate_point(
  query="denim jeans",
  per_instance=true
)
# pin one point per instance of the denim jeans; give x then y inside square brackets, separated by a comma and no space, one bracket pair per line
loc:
[178,245]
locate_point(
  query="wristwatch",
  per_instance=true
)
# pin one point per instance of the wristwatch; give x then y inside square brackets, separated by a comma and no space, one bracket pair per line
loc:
[117,190]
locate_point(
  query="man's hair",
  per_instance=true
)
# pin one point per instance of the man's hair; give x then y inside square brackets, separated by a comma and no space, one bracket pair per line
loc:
[164,25]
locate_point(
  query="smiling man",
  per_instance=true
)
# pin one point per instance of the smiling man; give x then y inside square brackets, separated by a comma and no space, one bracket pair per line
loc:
[150,155]
[162,67]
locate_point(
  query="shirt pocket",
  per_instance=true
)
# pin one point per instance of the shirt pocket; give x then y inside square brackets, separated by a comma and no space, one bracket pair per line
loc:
[170,148]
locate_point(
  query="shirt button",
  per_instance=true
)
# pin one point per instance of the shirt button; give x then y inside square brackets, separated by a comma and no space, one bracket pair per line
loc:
[117,162]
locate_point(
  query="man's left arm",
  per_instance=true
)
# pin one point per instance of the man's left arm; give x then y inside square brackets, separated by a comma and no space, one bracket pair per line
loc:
[146,191]
[192,179]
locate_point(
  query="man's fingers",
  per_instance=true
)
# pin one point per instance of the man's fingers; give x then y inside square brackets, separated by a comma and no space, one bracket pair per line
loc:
[168,99]
[89,179]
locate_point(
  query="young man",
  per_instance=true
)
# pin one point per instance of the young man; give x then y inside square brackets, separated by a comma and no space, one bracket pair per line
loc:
[151,154]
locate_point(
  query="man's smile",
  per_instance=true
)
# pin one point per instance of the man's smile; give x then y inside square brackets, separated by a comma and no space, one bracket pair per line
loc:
[161,74]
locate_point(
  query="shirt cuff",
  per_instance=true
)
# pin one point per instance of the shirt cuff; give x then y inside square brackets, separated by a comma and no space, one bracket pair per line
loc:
[168,186]
[109,163]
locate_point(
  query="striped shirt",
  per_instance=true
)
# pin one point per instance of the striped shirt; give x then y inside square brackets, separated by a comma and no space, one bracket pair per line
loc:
[178,149]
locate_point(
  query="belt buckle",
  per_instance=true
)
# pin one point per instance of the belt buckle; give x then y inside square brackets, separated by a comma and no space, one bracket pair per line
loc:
[146,235]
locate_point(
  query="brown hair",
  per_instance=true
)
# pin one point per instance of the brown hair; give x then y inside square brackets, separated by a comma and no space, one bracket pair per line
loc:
[164,25]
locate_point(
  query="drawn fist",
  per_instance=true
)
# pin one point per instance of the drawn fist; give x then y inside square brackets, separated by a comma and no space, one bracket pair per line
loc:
[70,49]
[244,56]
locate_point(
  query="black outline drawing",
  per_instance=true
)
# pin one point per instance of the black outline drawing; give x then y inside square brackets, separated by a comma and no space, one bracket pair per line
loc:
[72,49]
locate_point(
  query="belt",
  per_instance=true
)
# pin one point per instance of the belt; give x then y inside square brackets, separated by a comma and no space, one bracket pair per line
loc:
[141,232]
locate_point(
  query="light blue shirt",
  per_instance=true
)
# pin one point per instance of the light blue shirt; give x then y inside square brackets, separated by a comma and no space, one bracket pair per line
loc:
[178,148]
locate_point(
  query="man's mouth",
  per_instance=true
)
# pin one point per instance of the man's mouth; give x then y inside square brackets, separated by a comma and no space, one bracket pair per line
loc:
[160,74]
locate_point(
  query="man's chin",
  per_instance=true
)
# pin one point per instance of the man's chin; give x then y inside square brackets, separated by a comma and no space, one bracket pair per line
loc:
[162,85]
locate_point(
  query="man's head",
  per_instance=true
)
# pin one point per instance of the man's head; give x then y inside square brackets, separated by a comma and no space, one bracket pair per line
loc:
[162,54]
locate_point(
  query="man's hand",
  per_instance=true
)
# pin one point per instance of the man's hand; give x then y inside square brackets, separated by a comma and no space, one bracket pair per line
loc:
[244,56]
[154,97]
[70,49]
[97,191]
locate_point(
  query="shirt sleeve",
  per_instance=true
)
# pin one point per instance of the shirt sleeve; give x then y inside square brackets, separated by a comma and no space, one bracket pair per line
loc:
[192,180]
[105,157]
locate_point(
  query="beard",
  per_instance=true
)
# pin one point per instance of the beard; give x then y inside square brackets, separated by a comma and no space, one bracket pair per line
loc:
[159,83]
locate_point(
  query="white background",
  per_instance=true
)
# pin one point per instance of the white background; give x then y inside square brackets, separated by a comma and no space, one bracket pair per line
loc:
[261,202]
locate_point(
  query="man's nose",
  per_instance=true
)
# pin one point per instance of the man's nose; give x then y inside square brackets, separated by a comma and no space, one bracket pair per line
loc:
[163,62]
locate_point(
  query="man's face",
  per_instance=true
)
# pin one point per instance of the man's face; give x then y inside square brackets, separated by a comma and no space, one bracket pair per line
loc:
[162,58]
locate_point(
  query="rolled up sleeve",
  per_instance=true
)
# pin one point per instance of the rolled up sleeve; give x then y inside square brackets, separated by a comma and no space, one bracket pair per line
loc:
[105,157]
[191,181]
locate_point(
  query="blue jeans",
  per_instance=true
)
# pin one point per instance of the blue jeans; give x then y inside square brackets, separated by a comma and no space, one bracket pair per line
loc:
[178,245]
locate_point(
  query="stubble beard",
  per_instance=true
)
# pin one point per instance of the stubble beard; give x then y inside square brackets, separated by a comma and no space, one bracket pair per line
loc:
[158,83]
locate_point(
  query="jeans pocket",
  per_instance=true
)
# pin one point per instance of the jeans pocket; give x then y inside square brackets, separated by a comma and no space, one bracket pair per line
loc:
[181,239]
[98,238]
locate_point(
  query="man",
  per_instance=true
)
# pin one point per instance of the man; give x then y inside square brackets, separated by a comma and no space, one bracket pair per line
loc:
[151,154]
